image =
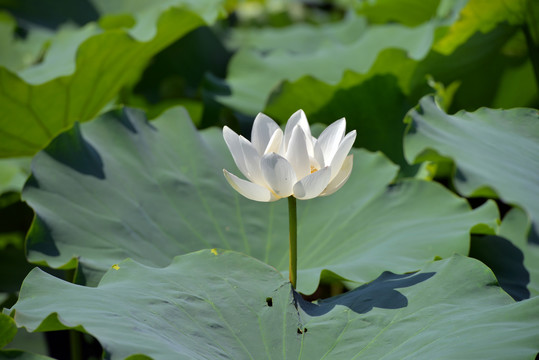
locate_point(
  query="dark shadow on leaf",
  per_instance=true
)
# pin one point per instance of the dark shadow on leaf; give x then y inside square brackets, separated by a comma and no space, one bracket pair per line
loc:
[132,119]
[459,175]
[379,293]
[533,236]
[126,116]
[506,261]
[39,238]
[71,149]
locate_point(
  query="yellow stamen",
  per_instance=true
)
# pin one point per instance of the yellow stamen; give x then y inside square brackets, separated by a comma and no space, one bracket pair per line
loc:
[214,251]
[313,169]
[115,267]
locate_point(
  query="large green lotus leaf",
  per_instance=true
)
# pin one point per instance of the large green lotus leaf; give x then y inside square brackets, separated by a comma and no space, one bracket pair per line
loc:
[225,305]
[495,151]
[82,72]
[121,187]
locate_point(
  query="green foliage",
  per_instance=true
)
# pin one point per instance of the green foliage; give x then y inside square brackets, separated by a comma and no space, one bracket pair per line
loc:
[229,306]
[435,234]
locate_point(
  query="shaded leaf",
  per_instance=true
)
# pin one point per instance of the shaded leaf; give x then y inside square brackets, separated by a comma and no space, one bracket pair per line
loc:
[230,306]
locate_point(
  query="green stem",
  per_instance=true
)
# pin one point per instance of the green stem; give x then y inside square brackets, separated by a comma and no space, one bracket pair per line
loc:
[75,339]
[293,223]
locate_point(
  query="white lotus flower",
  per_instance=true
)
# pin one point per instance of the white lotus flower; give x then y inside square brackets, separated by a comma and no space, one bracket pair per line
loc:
[295,164]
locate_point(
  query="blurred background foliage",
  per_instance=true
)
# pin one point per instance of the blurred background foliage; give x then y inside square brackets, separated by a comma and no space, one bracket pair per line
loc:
[64,61]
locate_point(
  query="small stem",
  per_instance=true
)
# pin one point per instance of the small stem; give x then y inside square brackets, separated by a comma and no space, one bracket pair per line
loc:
[292,219]
[75,339]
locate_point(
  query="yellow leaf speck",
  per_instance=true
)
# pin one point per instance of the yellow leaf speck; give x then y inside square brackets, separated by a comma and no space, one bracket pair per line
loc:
[214,251]
[115,267]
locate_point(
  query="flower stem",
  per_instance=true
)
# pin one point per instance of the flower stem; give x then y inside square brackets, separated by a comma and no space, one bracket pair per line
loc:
[293,225]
